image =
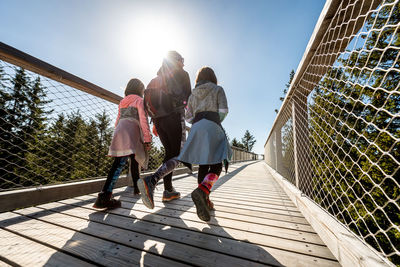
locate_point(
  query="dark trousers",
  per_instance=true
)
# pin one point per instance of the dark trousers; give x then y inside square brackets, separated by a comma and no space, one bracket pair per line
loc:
[206,169]
[169,130]
[116,169]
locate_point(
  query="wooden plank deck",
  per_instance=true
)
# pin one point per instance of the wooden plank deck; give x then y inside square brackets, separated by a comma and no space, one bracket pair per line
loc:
[254,224]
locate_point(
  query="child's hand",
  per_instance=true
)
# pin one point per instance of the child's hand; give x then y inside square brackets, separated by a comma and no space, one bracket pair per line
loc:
[147,146]
[155,130]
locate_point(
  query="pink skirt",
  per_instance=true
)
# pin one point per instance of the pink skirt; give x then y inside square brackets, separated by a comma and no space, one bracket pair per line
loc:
[128,140]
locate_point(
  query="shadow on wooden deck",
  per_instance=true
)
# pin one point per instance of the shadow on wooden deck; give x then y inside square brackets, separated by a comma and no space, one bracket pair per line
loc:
[169,235]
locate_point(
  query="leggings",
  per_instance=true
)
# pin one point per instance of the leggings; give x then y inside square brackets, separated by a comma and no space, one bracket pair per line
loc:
[116,169]
[171,133]
[206,169]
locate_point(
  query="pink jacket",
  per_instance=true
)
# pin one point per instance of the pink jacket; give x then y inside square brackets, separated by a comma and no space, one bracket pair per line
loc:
[129,105]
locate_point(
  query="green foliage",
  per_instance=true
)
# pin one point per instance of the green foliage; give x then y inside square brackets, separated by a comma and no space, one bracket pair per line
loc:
[156,156]
[248,141]
[354,127]
[37,149]
[237,143]
[287,86]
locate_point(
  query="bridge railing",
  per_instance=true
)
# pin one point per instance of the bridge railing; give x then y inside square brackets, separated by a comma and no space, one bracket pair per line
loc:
[55,129]
[337,135]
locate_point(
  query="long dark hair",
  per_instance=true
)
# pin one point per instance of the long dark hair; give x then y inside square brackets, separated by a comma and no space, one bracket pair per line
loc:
[134,87]
[206,74]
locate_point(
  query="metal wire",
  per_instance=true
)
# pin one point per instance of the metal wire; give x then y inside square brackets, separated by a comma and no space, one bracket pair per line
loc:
[52,133]
[340,132]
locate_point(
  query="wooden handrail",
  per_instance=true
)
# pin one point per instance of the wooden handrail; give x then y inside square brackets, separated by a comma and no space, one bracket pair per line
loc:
[21,59]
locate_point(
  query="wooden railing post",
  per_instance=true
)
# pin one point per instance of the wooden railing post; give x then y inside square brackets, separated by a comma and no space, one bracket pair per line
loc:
[301,141]
[278,149]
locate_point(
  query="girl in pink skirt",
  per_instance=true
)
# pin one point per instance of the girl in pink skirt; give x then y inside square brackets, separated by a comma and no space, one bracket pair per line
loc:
[132,139]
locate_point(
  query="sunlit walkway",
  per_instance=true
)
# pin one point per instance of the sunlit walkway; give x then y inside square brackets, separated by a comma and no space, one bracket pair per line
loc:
[255,223]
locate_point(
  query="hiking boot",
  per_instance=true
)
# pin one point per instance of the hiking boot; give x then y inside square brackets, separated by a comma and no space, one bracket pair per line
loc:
[170,195]
[146,188]
[199,198]
[105,200]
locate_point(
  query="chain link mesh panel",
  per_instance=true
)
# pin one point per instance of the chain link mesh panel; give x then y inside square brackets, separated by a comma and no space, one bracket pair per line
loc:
[341,125]
[52,133]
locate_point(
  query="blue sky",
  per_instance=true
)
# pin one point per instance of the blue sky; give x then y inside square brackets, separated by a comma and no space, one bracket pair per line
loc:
[251,45]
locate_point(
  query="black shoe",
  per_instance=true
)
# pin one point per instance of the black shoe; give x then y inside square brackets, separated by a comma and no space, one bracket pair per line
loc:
[106,201]
[170,195]
[199,198]
[146,187]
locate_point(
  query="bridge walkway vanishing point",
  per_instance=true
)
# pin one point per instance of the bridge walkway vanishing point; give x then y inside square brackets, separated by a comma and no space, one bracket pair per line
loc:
[254,224]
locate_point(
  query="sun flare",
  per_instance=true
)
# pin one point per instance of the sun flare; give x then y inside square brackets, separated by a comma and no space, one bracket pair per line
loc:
[151,39]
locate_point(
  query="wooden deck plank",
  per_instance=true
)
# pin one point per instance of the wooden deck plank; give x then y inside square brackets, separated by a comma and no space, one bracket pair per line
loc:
[171,207]
[150,243]
[244,226]
[192,234]
[18,250]
[184,203]
[223,195]
[300,246]
[254,224]
[85,246]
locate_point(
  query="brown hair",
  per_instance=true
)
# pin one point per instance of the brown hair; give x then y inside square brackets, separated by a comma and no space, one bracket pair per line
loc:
[134,87]
[206,74]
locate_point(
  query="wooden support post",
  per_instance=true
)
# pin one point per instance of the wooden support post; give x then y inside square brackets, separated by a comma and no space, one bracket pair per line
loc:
[278,149]
[301,141]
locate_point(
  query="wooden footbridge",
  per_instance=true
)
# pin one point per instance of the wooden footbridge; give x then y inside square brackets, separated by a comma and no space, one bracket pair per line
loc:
[254,224]
[326,192]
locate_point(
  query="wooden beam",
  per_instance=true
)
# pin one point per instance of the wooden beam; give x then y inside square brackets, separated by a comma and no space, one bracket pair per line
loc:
[348,248]
[15,199]
[21,59]
[317,37]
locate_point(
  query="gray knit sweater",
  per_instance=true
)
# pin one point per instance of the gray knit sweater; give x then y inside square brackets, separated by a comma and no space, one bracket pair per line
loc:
[207,97]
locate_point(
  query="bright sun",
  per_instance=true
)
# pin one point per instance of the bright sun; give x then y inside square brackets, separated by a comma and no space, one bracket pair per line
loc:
[151,39]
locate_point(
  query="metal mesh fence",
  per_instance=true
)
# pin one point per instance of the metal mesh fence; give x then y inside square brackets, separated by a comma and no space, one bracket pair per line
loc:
[339,132]
[52,133]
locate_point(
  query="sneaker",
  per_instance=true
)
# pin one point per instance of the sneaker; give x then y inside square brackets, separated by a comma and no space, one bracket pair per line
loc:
[105,200]
[170,195]
[146,188]
[200,200]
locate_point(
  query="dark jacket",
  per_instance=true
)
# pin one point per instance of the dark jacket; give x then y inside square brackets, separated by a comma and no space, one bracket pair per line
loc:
[176,83]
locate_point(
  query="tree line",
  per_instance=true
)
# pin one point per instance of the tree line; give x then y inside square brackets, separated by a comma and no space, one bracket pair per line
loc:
[354,131]
[247,142]
[38,147]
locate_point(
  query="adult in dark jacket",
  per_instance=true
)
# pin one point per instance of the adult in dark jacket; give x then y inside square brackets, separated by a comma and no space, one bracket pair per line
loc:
[175,81]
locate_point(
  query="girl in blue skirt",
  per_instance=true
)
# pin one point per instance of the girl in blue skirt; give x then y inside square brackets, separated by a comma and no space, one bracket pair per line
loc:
[207,144]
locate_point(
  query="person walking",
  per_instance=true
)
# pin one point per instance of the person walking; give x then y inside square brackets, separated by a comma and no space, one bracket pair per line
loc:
[207,144]
[169,124]
[131,139]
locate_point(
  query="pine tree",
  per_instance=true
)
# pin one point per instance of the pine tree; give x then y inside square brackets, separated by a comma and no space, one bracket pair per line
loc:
[248,141]
[353,120]
[156,156]
[236,143]
[287,86]
[104,136]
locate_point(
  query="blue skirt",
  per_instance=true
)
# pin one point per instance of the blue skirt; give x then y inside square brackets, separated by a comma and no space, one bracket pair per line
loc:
[206,144]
